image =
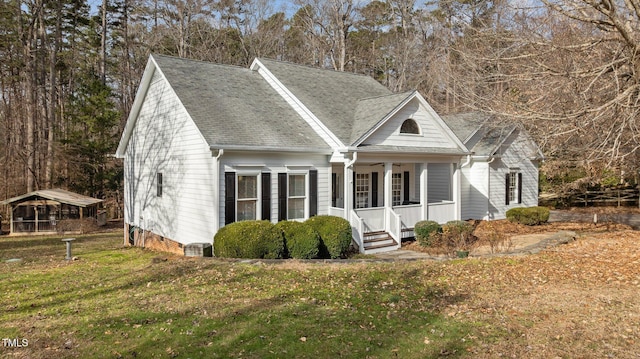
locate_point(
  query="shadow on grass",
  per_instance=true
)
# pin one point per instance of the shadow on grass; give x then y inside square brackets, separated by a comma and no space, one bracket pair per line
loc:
[126,303]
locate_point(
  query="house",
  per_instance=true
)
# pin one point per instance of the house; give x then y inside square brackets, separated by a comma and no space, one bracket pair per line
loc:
[502,172]
[44,211]
[206,145]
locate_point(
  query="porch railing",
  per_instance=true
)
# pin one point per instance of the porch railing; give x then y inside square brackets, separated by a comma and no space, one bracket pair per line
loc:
[410,214]
[442,212]
[335,211]
[394,225]
[357,229]
[26,226]
[374,218]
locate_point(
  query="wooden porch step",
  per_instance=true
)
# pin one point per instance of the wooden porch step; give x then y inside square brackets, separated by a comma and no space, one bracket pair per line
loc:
[375,235]
[377,241]
[378,246]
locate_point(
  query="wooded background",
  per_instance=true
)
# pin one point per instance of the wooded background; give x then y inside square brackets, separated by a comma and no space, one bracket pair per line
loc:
[565,70]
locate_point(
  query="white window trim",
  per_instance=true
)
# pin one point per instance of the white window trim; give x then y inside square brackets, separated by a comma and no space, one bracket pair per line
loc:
[394,176]
[306,193]
[513,189]
[258,200]
[368,192]
[419,134]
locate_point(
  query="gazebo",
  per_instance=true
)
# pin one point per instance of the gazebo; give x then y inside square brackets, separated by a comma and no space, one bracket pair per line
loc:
[41,211]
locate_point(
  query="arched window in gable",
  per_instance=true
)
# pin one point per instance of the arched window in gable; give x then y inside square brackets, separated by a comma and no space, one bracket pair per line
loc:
[410,126]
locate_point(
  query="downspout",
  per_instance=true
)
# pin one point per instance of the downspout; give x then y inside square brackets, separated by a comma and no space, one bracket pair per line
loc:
[467,162]
[489,187]
[216,220]
[458,200]
[353,160]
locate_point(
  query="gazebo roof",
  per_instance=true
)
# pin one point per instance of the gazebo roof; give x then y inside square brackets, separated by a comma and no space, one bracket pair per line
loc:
[55,194]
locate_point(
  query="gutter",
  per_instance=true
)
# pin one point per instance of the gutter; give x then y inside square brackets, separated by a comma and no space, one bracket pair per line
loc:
[323,151]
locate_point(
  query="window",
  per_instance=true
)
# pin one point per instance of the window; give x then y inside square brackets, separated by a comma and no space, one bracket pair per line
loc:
[297,196]
[396,189]
[247,198]
[410,127]
[362,190]
[159,184]
[514,187]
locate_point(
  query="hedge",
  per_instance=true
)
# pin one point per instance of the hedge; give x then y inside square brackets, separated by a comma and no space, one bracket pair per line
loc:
[529,216]
[301,240]
[425,232]
[249,239]
[335,235]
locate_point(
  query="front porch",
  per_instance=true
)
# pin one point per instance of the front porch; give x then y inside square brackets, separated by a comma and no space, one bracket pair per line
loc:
[384,201]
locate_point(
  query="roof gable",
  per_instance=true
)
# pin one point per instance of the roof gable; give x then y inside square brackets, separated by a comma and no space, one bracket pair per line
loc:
[373,110]
[434,132]
[231,106]
[332,96]
[485,138]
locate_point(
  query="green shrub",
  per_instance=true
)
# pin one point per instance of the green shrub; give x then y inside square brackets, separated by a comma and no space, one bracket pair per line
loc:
[249,239]
[529,216]
[425,232]
[301,240]
[335,235]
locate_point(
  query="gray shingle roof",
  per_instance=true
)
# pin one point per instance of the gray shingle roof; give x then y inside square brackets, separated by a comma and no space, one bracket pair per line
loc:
[56,194]
[332,96]
[234,106]
[370,111]
[465,124]
[477,132]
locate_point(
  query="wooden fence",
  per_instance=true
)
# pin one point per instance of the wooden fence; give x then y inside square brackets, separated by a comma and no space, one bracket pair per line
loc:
[617,197]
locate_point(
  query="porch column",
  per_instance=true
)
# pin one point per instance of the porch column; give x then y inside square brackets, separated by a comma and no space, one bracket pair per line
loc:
[423,191]
[348,191]
[11,221]
[456,190]
[388,190]
[36,224]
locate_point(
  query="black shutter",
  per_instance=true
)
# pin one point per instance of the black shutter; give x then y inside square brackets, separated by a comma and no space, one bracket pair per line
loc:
[334,189]
[406,185]
[506,189]
[266,196]
[313,193]
[519,187]
[353,186]
[282,196]
[229,197]
[374,189]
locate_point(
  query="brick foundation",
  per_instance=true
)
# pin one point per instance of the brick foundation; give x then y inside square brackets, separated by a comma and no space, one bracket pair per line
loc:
[146,239]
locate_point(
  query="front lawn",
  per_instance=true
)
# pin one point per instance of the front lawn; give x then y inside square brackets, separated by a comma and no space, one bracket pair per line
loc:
[576,300]
[128,302]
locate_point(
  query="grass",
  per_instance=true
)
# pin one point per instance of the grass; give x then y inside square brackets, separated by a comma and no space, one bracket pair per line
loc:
[129,302]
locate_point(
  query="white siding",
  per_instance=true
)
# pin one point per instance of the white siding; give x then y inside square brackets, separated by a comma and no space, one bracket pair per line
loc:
[515,155]
[475,191]
[275,163]
[432,134]
[166,140]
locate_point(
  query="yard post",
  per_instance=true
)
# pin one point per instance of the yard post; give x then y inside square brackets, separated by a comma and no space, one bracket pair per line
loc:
[68,243]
